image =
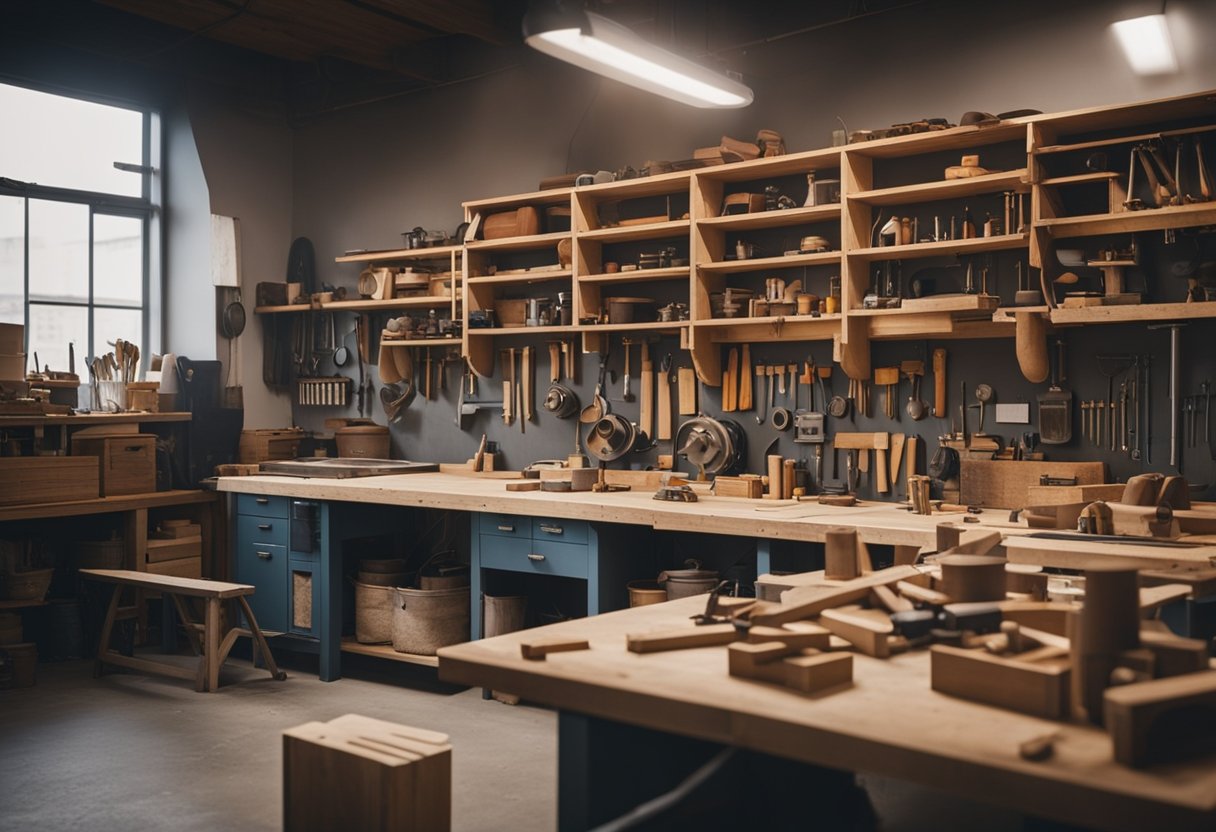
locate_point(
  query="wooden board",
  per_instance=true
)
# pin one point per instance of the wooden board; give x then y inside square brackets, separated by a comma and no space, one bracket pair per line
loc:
[1039,689]
[1006,483]
[43,479]
[1079,553]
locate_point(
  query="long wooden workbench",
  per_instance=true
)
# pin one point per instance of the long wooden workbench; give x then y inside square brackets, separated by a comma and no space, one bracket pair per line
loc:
[888,722]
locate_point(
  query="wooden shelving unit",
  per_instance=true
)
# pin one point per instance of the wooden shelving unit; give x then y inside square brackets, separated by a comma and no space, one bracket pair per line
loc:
[419,342]
[385,651]
[685,209]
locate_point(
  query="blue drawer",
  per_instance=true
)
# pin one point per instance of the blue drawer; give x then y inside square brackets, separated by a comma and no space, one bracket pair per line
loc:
[265,566]
[564,531]
[537,557]
[506,525]
[251,529]
[261,506]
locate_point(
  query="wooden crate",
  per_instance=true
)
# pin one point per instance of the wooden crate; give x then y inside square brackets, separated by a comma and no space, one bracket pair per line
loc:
[355,772]
[47,479]
[127,461]
[175,549]
[264,445]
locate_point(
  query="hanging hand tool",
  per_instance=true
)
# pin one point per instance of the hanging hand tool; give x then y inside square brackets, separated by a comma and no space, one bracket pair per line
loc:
[687,377]
[626,393]
[1148,409]
[939,383]
[508,368]
[770,372]
[555,367]
[664,392]
[745,379]
[730,400]
[1206,387]
[762,373]
[1175,346]
[529,411]
[897,453]
[793,371]
[646,409]
[780,371]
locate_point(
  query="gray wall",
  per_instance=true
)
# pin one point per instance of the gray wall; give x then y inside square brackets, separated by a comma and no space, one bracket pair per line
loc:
[188,245]
[363,176]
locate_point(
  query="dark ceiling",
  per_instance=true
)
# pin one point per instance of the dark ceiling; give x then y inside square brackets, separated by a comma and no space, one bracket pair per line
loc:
[306,58]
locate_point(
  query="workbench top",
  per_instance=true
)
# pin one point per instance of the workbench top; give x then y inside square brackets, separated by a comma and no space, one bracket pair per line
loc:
[889,722]
[877,522]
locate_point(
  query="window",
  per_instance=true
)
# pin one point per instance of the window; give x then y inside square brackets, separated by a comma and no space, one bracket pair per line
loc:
[77,213]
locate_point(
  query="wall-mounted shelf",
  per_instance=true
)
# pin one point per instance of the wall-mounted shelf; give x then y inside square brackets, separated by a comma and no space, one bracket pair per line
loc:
[533,241]
[637,276]
[533,276]
[942,248]
[1126,222]
[365,305]
[1080,179]
[523,330]
[419,342]
[631,233]
[1134,312]
[757,264]
[390,255]
[773,219]
[774,328]
[1012,180]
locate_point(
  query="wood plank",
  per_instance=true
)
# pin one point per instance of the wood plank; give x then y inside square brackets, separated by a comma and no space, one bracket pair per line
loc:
[1039,689]
[1005,483]
[193,587]
[942,248]
[807,601]
[1014,180]
[1083,554]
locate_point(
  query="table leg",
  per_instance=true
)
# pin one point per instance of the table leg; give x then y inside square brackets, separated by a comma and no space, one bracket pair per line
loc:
[259,640]
[211,648]
[764,556]
[107,627]
[609,768]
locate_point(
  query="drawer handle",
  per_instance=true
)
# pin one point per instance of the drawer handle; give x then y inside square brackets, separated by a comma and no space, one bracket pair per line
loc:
[547,529]
[265,555]
[535,557]
[506,528]
[134,449]
[262,501]
[265,527]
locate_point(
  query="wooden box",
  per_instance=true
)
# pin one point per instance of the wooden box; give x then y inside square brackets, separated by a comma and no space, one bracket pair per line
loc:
[175,549]
[47,479]
[1007,483]
[127,462]
[361,773]
[143,396]
[266,445]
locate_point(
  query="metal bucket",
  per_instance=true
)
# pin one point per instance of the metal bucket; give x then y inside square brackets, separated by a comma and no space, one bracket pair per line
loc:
[682,583]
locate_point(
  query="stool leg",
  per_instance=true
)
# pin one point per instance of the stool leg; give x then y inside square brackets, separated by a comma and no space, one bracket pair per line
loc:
[211,631]
[107,628]
[259,641]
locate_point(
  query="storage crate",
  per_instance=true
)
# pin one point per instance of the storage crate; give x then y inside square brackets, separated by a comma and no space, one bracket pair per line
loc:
[48,479]
[265,445]
[127,461]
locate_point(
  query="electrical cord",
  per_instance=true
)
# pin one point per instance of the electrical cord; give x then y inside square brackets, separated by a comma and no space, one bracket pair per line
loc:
[654,807]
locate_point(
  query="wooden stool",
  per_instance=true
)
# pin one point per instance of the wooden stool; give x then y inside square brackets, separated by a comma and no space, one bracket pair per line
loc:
[205,637]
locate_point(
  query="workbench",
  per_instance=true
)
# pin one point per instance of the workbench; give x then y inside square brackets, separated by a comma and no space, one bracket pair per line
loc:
[621,713]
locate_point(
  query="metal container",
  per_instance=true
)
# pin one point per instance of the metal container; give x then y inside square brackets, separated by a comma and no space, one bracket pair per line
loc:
[680,583]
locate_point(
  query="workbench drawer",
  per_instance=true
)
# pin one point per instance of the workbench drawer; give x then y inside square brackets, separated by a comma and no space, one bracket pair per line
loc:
[261,530]
[261,506]
[565,531]
[506,525]
[539,557]
[265,566]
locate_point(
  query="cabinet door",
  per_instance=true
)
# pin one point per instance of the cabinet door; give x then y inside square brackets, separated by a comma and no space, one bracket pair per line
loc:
[264,565]
[304,597]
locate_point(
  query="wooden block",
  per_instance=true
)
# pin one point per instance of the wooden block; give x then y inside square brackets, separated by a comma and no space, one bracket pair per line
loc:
[359,773]
[840,554]
[1038,689]
[759,661]
[1174,655]
[1154,597]
[174,549]
[867,630]
[888,599]
[1049,616]
[749,486]
[687,378]
[1006,483]
[967,578]
[524,485]
[797,634]
[710,635]
[922,595]
[818,671]
[860,441]
[1026,579]
[1162,720]
[807,601]
[538,648]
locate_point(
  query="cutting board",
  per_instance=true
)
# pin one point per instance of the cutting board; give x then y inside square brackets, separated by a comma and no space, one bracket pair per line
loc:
[1006,483]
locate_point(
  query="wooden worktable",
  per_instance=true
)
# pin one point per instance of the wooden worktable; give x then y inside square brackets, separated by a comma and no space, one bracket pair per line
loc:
[880,523]
[889,722]
[106,505]
[84,420]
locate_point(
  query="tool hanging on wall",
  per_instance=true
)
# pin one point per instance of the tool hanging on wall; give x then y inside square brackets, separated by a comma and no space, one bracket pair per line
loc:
[745,379]
[1055,405]
[939,383]
[646,408]
[730,401]
[665,379]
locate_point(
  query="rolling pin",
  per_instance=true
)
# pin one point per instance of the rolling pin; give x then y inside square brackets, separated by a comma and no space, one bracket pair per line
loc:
[939,383]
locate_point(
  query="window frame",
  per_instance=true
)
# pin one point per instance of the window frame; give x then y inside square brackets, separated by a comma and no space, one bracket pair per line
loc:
[145,207]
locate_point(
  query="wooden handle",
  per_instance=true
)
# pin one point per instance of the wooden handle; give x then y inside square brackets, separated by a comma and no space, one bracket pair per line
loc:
[939,383]
[910,456]
[880,461]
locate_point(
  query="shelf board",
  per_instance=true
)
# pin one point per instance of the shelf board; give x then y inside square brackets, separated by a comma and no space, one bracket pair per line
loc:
[675,182]
[943,248]
[1134,312]
[762,263]
[535,276]
[523,330]
[956,138]
[628,233]
[932,304]
[787,165]
[365,305]
[553,196]
[671,326]
[1010,180]
[773,219]
[1149,219]
[434,253]
[518,243]
[774,328]
[385,651]
[1081,178]
[1008,314]
[21,605]
[638,276]
[1050,149]
[418,342]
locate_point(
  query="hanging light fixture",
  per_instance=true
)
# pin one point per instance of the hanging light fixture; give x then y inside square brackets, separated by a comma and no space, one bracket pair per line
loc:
[600,45]
[1147,45]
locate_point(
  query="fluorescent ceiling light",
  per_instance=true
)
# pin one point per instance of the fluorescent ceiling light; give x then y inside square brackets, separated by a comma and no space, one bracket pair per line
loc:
[599,45]
[1146,42]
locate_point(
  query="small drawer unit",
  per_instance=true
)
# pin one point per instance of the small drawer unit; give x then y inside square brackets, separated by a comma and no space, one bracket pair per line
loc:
[565,531]
[126,461]
[260,505]
[506,525]
[255,529]
[265,566]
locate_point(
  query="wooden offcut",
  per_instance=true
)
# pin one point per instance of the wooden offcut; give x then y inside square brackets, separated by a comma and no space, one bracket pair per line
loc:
[1007,483]
[1162,720]
[1038,689]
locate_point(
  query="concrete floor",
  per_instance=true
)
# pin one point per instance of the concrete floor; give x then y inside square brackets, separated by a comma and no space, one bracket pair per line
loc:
[134,752]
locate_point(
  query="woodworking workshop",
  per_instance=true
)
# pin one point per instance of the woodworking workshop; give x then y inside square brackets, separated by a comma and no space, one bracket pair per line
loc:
[608,415]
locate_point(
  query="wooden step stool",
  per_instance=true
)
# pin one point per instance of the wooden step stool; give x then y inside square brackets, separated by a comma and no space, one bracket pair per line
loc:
[355,772]
[205,636]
